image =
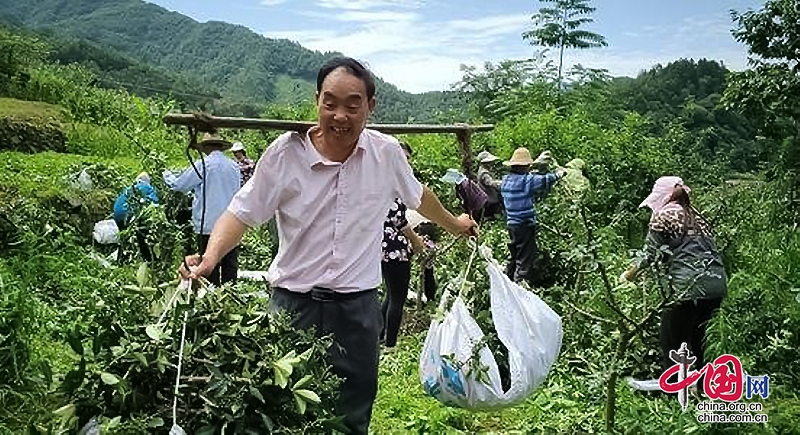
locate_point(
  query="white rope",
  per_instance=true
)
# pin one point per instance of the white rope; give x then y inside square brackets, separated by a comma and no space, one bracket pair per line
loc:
[446,295]
[472,242]
[171,303]
[180,357]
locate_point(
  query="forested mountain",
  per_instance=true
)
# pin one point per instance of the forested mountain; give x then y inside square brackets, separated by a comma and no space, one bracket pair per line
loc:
[688,92]
[244,66]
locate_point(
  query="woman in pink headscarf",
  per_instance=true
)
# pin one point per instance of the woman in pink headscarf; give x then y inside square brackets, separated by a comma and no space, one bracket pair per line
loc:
[690,266]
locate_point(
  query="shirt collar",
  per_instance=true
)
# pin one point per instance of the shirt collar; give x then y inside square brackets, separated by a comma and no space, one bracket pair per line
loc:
[314,157]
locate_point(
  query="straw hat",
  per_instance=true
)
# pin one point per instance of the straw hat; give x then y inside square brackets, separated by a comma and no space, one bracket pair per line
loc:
[487,157]
[213,141]
[521,157]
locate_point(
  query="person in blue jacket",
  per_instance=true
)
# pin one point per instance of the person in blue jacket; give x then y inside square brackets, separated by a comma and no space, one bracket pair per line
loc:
[129,202]
[522,190]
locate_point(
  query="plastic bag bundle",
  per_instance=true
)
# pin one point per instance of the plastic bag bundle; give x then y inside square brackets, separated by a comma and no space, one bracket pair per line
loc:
[529,329]
[574,182]
[105,232]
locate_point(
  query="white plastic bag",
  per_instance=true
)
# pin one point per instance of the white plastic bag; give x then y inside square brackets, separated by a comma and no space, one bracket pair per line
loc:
[105,232]
[85,180]
[529,329]
[646,385]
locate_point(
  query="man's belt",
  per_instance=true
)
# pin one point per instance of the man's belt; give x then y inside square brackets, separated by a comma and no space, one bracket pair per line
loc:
[321,294]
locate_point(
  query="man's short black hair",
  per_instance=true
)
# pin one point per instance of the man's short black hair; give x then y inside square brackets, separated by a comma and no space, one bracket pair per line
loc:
[352,66]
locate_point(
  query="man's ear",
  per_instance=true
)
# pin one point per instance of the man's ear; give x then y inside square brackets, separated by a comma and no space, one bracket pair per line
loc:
[316,98]
[371,104]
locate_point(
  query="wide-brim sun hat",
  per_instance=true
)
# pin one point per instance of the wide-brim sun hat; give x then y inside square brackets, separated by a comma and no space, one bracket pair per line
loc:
[487,157]
[521,157]
[213,141]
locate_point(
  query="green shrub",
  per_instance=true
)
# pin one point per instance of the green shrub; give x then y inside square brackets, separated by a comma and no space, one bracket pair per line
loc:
[243,369]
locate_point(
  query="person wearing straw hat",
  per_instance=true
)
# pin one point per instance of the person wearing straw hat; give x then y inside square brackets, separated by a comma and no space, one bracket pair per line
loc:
[329,188]
[681,247]
[214,181]
[487,163]
[246,166]
[521,189]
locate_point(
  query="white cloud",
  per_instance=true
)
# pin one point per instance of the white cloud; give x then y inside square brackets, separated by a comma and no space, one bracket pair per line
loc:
[632,63]
[417,53]
[414,54]
[304,37]
[373,17]
[692,37]
[421,73]
[272,2]
[361,5]
[493,23]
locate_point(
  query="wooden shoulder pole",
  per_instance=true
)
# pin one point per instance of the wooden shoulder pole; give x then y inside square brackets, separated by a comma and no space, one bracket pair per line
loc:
[464,138]
[463,132]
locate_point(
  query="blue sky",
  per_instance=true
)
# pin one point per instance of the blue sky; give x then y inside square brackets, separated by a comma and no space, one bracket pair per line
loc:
[419,45]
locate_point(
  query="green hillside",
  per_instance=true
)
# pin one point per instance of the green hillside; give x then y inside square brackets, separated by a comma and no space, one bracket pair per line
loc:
[244,66]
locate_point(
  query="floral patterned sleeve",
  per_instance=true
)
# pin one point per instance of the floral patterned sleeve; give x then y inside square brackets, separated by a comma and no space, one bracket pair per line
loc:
[665,226]
[395,244]
[399,218]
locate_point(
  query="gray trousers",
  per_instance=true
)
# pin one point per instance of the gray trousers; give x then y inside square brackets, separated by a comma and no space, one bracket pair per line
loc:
[355,321]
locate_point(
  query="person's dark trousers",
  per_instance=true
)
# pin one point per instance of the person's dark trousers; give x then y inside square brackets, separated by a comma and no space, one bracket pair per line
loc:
[397,276]
[141,240]
[228,267]
[523,249]
[429,283]
[686,322]
[355,321]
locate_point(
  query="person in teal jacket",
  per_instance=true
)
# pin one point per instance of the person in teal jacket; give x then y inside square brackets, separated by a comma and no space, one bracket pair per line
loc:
[128,203]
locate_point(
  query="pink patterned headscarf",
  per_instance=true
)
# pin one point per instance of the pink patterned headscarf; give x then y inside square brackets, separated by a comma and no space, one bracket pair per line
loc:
[662,190]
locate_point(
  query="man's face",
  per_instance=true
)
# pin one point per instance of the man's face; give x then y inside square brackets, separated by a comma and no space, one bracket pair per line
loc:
[343,108]
[238,155]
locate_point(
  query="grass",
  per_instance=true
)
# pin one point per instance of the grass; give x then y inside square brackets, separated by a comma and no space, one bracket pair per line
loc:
[43,175]
[28,109]
[566,403]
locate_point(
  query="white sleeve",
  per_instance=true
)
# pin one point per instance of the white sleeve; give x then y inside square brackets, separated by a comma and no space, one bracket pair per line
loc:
[407,187]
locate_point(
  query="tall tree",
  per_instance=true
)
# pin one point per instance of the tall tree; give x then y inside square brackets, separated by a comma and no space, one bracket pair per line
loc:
[559,26]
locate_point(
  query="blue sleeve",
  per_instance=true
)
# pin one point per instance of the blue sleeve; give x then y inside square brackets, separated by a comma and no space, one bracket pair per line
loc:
[151,194]
[148,192]
[541,185]
[121,203]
